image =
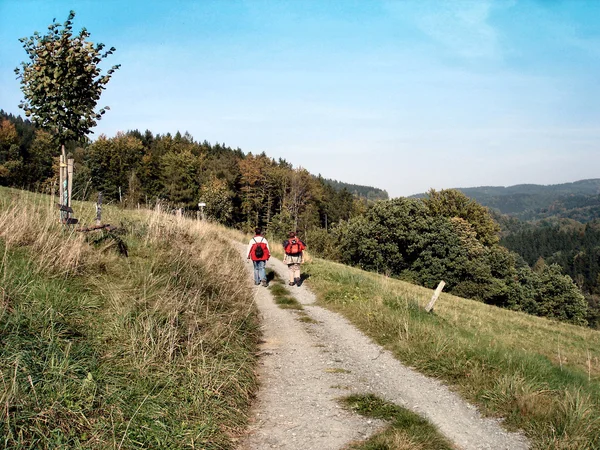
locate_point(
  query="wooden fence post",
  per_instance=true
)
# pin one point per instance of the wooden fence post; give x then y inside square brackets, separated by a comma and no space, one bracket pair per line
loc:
[61,186]
[70,163]
[99,209]
[436,294]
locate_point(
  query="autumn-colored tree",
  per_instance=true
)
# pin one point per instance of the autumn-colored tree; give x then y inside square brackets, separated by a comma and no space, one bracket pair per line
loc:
[255,185]
[11,162]
[42,154]
[303,190]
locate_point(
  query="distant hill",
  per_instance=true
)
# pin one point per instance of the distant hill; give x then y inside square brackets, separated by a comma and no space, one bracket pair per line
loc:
[579,200]
[367,192]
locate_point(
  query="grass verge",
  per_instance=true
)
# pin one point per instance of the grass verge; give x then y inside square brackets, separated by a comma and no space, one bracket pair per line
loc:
[282,296]
[156,350]
[541,376]
[407,431]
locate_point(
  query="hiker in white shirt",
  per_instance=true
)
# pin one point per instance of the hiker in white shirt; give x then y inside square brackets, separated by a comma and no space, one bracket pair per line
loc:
[259,253]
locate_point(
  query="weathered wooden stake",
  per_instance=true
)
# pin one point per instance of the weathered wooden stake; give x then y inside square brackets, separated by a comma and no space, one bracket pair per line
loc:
[70,163]
[436,294]
[99,209]
[61,179]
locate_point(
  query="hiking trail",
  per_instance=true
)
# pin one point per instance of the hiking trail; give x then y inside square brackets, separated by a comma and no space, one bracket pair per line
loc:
[305,367]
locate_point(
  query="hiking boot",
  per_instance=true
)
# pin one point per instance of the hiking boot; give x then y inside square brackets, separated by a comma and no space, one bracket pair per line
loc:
[291,283]
[256,283]
[298,281]
[264,283]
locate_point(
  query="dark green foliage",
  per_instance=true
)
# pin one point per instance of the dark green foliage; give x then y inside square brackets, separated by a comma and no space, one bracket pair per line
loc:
[572,246]
[112,162]
[447,237]
[452,203]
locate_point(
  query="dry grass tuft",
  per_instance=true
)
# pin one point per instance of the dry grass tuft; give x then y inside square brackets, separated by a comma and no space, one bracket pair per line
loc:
[34,224]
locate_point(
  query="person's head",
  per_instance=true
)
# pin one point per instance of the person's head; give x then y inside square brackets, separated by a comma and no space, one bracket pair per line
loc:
[291,235]
[258,231]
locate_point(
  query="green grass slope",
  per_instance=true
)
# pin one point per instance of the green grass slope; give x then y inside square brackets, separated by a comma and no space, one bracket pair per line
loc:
[99,350]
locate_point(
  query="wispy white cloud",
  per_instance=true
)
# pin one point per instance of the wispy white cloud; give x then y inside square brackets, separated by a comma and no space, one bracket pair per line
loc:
[462,27]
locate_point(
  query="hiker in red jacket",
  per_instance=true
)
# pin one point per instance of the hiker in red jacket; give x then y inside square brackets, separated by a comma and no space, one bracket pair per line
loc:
[293,257]
[258,252]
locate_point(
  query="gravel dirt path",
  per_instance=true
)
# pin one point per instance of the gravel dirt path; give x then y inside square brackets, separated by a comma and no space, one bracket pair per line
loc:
[305,367]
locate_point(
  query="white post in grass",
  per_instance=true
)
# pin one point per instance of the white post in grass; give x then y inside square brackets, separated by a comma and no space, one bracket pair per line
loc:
[61,187]
[436,294]
[99,209]
[70,164]
[201,205]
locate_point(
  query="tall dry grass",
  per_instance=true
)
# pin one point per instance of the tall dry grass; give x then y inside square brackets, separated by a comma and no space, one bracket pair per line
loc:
[32,221]
[156,350]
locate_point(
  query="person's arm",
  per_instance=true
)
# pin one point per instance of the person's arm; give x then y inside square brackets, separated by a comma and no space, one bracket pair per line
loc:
[249,248]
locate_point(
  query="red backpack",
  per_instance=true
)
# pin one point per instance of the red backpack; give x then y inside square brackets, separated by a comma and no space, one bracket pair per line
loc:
[294,246]
[259,251]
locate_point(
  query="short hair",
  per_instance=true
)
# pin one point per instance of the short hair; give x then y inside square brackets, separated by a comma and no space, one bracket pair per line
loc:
[258,230]
[291,234]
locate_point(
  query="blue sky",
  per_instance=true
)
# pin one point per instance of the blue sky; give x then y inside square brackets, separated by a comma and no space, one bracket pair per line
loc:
[401,95]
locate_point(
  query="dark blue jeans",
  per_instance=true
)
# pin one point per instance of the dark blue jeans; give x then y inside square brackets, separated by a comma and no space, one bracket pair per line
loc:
[259,271]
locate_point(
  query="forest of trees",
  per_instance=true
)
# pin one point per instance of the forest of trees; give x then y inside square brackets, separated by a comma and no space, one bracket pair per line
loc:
[442,236]
[142,168]
[572,246]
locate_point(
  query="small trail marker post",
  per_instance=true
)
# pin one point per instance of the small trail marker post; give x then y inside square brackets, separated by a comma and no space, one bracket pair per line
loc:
[99,209]
[61,186]
[65,190]
[70,163]
[436,294]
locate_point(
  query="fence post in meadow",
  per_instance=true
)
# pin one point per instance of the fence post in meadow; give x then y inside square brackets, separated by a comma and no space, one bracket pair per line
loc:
[70,163]
[99,209]
[436,294]
[61,187]
[201,205]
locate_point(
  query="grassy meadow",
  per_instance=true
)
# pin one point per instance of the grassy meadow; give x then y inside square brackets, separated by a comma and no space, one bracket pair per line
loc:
[101,350]
[541,376]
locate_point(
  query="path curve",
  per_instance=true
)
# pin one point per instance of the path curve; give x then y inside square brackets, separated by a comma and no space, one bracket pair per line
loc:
[305,367]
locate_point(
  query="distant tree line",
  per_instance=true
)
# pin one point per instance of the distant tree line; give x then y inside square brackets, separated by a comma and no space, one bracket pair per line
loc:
[366,192]
[442,236]
[134,168]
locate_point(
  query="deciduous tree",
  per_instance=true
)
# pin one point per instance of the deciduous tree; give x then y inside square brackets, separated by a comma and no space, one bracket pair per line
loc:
[62,80]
